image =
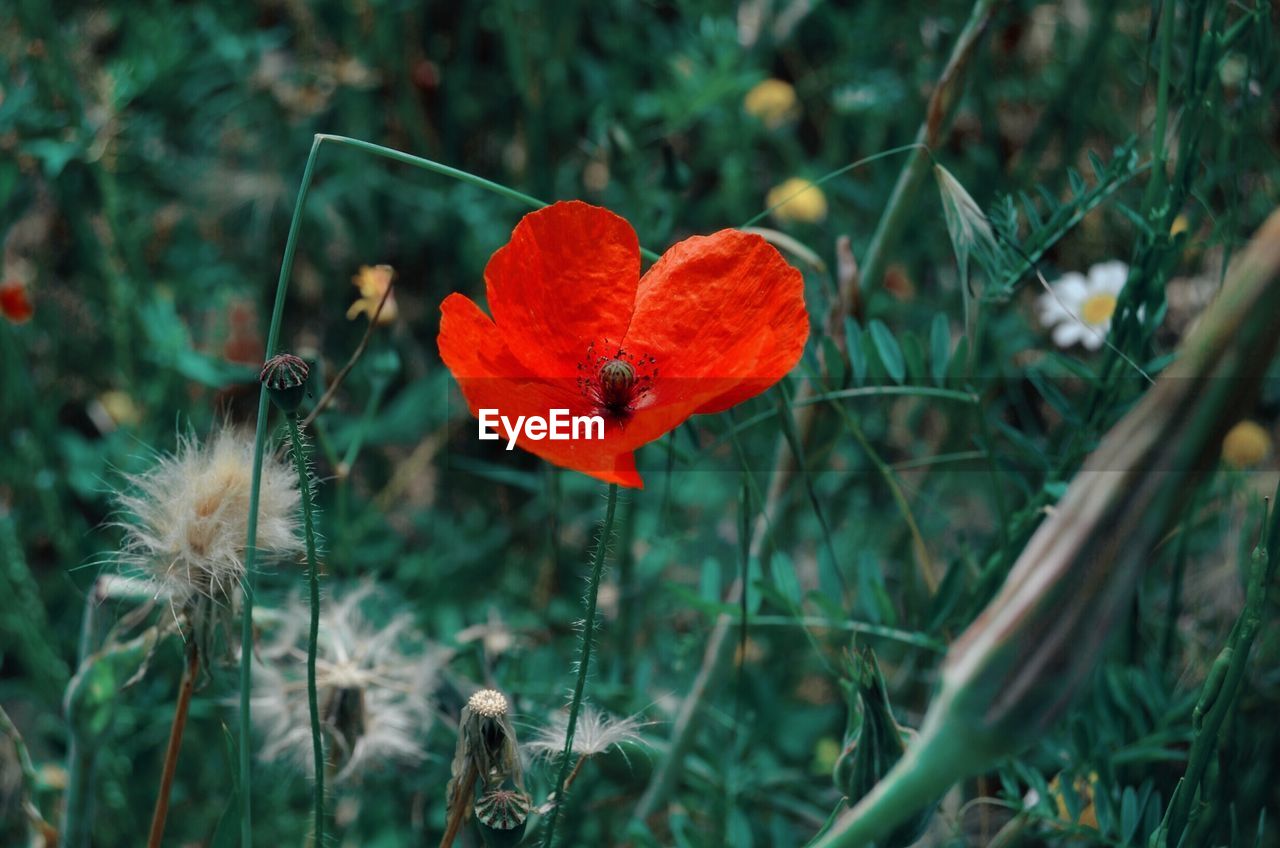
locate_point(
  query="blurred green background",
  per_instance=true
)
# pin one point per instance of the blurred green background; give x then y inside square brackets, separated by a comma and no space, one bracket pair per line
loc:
[150,154]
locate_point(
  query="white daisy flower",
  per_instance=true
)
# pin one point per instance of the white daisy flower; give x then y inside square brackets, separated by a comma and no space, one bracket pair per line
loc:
[1079,308]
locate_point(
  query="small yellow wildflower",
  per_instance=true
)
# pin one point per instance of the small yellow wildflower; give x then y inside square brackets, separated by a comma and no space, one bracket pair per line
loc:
[797,200]
[1246,445]
[1180,225]
[121,407]
[773,101]
[373,281]
[1086,816]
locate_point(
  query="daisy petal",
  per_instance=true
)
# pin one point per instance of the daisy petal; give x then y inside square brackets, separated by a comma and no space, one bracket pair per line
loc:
[1108,276]
[1067,333]
[1071,288]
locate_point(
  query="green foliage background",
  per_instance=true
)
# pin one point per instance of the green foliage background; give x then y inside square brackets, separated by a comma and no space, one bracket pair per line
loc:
[149,158]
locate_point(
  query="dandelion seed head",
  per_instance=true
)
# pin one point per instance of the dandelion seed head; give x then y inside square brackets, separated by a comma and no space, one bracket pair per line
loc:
[596,732]
[186,518]
[374,686]
[489,703]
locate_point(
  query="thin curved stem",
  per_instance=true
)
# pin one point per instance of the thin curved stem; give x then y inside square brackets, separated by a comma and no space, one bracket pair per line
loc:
[260,436]
[175,744]
[454,173]
[313,579]
[255,491]
[584,661]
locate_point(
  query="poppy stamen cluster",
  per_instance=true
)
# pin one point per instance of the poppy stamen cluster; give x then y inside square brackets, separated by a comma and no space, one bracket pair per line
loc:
[616,385]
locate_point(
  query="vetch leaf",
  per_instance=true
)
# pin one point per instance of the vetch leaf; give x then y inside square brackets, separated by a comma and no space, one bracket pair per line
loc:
[888,350]
[857,350]
[939,348]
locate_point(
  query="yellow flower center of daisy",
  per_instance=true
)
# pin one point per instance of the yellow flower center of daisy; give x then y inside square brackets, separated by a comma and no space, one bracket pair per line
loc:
[1098,308]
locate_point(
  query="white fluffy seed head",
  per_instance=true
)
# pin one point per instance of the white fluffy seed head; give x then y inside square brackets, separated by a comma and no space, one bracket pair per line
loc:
[374,687]
[186,519]
[489,703]
[596,732]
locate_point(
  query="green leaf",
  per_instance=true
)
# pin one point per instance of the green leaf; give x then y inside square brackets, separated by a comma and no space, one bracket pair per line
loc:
[939,348]
[833,359]
[857,350]
[888,350]
[1128,815]
[784,579]
[913,356]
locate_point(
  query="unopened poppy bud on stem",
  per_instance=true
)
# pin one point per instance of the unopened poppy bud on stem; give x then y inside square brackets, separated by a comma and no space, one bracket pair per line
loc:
[285,377]
[1012,673]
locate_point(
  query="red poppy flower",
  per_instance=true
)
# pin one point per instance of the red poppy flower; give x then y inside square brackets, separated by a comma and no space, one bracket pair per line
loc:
[717,320]
[14,303]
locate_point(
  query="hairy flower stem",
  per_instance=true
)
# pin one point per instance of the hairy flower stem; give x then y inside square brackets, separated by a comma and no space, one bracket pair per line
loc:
[313,578]
[260,437]
[175,743]
[584,660]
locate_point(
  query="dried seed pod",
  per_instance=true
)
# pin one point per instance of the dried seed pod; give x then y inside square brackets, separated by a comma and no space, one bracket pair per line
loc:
[503,809]
[487,753]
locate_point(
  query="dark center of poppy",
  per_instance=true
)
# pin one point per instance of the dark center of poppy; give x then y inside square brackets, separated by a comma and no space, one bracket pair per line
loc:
[616,383]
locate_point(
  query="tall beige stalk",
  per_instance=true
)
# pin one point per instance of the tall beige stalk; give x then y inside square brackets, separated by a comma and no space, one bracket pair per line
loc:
[1011,674]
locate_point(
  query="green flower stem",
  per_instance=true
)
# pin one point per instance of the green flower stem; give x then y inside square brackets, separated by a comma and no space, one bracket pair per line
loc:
[445,170]
[80,755]
[931,135]
[255,491]
[584,660]
[1155,188]
[30,785]
[260,437]
[313,578]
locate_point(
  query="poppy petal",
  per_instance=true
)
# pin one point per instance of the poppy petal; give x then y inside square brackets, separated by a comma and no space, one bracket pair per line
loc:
[491,377]
[726,312]
[14,303]
[568,277]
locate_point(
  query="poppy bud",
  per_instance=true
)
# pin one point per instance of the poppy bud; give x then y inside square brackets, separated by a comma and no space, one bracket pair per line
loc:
[285,377]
